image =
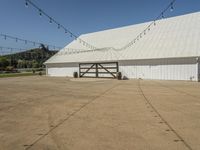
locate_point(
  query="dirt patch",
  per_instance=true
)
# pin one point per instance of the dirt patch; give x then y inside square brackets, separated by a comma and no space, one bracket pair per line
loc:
[83,114]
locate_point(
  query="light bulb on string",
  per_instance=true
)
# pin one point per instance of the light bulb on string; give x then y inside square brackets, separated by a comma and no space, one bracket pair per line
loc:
[162,15]
[40,13]
[58,26]
[26,4]
[5,37]
[66,31]
[50,20]
[172,7]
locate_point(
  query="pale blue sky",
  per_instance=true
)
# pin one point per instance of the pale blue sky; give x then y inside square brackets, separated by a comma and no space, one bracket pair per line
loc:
[80,16]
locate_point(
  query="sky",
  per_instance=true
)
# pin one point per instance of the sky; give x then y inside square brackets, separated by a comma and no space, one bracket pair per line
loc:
[79,16]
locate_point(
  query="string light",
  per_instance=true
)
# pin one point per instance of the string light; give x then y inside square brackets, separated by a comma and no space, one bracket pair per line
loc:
[25,41]
[163,15]
[42,13]
[172,7]
[11,49]
[26,4]
[58,26]
[50,20]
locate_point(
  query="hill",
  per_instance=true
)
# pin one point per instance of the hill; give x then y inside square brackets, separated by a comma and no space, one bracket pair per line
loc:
[33,58]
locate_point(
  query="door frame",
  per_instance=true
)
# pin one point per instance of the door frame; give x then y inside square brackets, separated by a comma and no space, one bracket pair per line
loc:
[94,68]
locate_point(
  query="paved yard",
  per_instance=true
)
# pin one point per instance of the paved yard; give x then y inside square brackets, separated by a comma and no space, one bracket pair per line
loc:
[43,113]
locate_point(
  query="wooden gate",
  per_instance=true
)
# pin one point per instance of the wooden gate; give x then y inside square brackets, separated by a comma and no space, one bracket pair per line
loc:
[98,70]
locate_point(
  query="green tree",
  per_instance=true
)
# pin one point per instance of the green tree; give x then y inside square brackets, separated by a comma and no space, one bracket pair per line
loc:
[20,63]
[35,65]
[3,62]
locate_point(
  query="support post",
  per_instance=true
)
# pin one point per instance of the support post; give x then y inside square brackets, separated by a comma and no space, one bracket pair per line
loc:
[97,71]
[117,65]
[46,70]
[198,70]
[79,70]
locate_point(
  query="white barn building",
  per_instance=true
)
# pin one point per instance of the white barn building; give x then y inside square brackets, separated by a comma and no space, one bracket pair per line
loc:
[170,50]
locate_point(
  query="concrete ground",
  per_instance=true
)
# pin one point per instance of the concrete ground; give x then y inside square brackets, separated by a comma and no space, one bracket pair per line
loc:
[43,113]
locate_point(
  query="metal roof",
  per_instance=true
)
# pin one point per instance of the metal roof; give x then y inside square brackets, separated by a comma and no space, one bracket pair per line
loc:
[169,38]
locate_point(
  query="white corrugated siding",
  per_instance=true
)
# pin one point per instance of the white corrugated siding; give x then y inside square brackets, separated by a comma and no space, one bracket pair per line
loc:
[162,69]
[62,70]
[168,51]
[161,72]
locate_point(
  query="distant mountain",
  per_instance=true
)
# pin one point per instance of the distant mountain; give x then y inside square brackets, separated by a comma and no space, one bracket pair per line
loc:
[33,54]
[33,58]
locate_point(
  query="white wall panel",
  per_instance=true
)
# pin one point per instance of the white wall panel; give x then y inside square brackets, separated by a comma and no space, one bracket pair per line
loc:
[62,70]
[162,69]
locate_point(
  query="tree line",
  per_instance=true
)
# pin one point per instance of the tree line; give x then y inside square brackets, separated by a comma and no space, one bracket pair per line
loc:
[33,58]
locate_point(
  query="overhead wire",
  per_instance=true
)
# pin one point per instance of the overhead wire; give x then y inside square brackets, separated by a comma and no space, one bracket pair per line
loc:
[25,41]
[129,44]
[148,28]
[59,25]
[10,50]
